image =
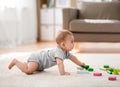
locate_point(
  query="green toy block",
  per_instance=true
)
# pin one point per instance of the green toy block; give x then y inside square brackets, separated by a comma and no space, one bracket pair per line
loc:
[90,69]
[106,66]
[86,66]
[110,72]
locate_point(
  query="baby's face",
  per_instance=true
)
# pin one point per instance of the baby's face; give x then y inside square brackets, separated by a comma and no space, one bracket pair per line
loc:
[69,43]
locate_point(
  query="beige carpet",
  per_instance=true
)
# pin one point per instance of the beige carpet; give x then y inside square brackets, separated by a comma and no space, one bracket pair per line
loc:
[51,78]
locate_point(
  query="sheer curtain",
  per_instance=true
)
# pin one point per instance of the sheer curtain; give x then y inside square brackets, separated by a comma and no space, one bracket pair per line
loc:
[18,22]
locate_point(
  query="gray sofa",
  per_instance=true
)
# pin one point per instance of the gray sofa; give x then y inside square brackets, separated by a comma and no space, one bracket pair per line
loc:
[94,21]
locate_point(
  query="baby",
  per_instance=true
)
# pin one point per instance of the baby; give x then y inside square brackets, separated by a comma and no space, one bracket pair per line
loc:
[45,58]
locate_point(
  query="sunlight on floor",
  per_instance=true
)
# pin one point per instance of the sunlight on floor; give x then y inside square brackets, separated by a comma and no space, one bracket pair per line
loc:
[99,47]
[82,47]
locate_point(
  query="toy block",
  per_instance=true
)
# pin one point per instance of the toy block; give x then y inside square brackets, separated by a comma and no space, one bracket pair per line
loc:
[115,72]
[81,70]
[97,74]
[90,69]
[86,66]
[112,78]
[106,66]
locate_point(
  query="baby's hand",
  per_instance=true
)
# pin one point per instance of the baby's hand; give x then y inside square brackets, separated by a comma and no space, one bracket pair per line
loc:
[82,64]
[67,73]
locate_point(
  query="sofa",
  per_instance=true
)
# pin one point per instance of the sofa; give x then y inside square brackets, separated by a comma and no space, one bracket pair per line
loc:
[93,21]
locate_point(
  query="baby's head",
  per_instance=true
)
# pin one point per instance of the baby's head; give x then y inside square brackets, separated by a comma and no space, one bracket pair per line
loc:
[65,40]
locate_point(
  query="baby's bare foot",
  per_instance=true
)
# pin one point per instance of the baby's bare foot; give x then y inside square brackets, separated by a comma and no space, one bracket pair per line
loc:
[12,64]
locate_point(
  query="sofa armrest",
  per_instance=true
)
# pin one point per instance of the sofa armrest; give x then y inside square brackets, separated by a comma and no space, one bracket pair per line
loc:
[69,14]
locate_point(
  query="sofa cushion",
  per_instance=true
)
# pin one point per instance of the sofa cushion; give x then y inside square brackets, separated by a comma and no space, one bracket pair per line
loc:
[99,10]
[100,26]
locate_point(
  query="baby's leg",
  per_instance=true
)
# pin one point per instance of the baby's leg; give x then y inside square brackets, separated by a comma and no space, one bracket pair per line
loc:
[12,63]
[27,68]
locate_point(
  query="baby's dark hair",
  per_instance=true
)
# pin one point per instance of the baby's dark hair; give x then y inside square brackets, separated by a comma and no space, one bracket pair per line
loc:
[62,36]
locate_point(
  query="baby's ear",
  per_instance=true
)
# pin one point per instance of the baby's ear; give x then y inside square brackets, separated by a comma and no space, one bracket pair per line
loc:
[62,44]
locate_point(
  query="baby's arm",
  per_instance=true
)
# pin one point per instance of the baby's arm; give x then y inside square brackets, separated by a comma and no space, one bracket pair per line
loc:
[76,61]
[61,67]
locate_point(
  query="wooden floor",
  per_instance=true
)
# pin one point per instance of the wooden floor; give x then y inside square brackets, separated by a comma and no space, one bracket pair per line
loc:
[79,47]
[28,48]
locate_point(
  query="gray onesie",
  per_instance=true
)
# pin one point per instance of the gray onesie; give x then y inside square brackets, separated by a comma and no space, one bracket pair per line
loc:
[46,57]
